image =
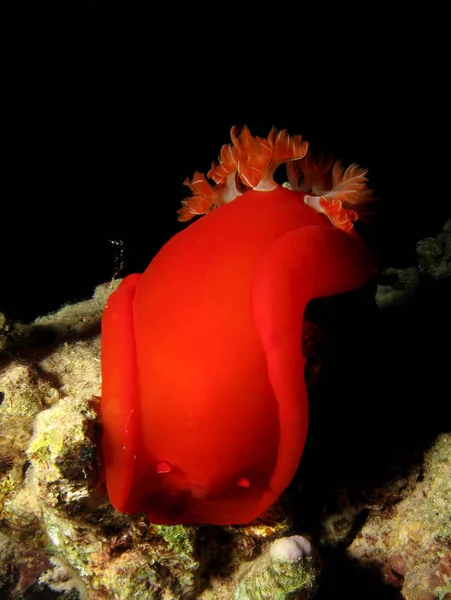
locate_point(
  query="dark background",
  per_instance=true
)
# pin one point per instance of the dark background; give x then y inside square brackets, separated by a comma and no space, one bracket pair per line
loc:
[108,110]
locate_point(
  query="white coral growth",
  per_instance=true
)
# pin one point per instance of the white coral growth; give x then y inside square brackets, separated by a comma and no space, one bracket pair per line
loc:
[63,578]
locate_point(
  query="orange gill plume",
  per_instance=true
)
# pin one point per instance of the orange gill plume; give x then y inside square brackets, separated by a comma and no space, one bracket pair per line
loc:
[341,194]
[252,159]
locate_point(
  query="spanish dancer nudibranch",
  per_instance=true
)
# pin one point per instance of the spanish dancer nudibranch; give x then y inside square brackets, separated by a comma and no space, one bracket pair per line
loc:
[204,402]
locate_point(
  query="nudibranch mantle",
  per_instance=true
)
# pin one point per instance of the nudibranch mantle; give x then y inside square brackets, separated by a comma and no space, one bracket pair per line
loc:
[204,403]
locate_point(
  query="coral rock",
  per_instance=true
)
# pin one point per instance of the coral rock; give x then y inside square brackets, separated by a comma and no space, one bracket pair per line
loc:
[287,570]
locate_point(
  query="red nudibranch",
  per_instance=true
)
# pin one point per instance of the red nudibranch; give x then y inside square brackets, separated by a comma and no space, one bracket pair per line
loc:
[204,402]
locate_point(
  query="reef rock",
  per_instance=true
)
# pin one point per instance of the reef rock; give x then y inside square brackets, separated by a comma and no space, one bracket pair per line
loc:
[409,542]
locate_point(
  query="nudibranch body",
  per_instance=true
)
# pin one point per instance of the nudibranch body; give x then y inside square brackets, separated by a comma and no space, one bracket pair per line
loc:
[204,402]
